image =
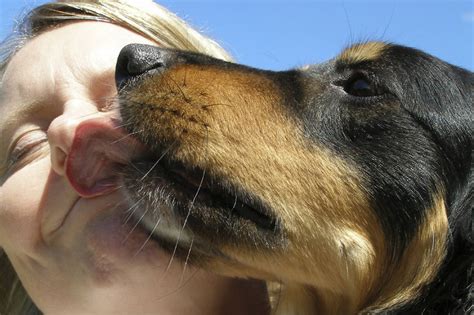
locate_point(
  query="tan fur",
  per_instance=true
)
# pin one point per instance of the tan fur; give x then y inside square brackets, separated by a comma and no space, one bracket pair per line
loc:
[421,260]
[362,52]
[234,124]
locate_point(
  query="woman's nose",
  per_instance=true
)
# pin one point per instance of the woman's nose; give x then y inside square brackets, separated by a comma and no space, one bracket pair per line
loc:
[62,129]
[88,147]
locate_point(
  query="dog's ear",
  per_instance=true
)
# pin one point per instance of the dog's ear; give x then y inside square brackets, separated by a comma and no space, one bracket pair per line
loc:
[463,203]
[459,267]
[449,118]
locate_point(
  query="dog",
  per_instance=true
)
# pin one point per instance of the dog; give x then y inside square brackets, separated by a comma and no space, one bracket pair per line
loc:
[347,185]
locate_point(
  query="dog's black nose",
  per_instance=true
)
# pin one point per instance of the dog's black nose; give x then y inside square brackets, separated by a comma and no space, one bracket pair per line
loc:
[136,59]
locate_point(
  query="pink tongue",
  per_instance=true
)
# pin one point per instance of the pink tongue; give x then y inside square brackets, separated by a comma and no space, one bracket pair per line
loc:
[97,149]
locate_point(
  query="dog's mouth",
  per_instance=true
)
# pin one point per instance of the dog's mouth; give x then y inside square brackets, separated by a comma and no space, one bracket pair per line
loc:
[215,193]
[182,203]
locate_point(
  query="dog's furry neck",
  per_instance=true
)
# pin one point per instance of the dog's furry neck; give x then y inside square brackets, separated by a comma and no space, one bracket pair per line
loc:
[450,292]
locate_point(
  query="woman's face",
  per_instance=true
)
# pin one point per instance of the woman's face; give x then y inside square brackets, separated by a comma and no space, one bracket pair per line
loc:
[73,250]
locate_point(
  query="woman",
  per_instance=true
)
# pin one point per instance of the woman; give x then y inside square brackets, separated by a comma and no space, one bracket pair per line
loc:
[63,252]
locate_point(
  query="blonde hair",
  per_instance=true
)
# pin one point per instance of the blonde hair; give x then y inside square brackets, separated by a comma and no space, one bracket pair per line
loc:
[141,16]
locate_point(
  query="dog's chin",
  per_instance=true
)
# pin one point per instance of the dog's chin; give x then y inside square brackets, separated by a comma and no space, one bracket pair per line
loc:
[184,207]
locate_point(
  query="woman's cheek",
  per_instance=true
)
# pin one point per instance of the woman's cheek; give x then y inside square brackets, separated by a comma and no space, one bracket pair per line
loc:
[20,203]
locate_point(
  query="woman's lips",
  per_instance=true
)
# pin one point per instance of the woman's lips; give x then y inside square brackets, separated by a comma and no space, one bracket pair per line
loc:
[98,150]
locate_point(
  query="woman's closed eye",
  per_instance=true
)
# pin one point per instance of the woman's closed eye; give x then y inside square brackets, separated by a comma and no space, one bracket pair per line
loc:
[27,148]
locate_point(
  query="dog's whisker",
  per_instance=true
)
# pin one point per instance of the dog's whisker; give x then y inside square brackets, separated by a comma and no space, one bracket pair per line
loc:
[186,219]
[158,161]
[135,168]
[235,203]
[148,238]
[186,262]
[123,125]
[116,205]
[132,210]
[132,164]
[134,227]
[178,287]
[126,136]
[191,206]
[278,298]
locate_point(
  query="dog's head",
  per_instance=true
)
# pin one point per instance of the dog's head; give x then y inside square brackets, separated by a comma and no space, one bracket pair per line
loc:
[340,176]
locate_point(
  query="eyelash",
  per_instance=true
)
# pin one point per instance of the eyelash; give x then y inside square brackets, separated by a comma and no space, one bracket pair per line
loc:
[375,90]
[27,144]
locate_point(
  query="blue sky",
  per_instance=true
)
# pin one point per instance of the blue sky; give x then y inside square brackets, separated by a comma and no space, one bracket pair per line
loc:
[282,34]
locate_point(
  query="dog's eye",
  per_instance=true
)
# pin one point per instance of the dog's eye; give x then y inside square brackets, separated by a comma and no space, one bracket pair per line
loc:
[360,86]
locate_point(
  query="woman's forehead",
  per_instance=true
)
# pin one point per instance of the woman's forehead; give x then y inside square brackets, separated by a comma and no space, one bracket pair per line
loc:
[74,49]
[63,63]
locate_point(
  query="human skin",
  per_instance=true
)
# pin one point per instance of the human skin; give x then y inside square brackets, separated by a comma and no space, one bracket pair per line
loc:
[73,252]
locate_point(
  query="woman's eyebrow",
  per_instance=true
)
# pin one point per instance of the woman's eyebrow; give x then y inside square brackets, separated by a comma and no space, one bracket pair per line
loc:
[20,112]
[10,118]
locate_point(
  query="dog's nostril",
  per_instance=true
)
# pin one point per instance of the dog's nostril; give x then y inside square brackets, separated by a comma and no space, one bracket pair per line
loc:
[136,59]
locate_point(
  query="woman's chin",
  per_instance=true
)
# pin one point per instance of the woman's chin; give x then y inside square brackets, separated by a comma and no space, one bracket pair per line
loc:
[116,249]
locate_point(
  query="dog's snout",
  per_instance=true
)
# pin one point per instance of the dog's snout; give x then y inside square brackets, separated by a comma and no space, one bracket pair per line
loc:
[136,59]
